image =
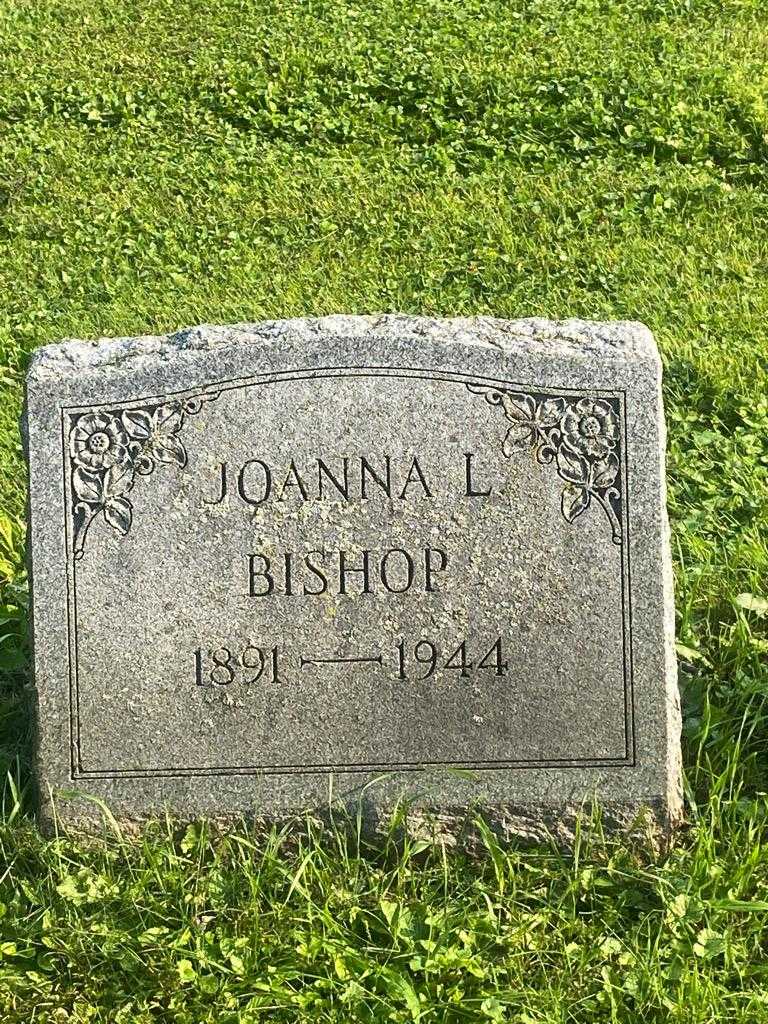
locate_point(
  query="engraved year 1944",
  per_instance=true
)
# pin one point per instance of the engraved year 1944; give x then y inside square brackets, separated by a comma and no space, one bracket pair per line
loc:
[409,660]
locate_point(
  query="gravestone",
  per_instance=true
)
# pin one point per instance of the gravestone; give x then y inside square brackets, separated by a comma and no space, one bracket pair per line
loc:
[281,561]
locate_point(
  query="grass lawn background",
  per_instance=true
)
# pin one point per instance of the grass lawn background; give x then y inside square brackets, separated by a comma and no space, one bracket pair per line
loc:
[165,163]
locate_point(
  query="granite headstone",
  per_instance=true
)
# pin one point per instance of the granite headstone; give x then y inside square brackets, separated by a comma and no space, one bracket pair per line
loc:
[275,562]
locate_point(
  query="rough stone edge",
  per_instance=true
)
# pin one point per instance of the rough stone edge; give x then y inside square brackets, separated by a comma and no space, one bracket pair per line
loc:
[621,339]
[675,800]
[560,824]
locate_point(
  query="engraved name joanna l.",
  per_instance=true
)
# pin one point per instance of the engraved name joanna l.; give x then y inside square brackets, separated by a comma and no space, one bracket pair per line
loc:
[580,436]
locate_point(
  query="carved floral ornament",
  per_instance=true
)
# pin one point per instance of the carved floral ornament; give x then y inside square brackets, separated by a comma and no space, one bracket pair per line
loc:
[108,450]
[579,436]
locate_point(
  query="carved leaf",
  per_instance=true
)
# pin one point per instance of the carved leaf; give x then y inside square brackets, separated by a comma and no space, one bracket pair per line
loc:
[167,419]
[168,448]
[572,467]
[137,424]
[119,514]
[88,486]
[605,472]
[551,411]
[575,500]
[119,479]
[518,407]
[517,436]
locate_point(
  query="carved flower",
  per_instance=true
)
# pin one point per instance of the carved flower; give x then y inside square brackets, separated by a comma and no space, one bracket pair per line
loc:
[98,441]
[590,428]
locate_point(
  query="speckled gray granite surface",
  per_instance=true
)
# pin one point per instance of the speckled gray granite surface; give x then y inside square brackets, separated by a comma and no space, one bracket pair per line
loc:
[280,563]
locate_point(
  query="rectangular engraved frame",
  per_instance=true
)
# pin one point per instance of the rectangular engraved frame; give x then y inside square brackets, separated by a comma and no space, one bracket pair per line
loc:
[78,771]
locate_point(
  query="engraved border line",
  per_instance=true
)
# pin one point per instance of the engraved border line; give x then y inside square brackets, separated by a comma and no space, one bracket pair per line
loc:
[346,372]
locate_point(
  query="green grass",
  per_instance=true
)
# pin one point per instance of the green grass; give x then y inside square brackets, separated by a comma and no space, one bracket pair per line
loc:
[166,162]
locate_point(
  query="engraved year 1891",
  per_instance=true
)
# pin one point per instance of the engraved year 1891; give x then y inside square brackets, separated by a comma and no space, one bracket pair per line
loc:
[221,666]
